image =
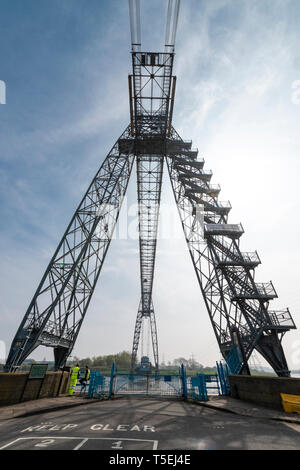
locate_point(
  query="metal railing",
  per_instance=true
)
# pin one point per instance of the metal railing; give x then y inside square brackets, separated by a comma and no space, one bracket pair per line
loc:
[179,385]
[224,204]
[223,229]
[246,258]
[251,257]
[262,290]
[266,289]
[282,318]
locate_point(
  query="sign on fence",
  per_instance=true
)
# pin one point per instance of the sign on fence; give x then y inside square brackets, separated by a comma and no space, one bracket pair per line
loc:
[38,371]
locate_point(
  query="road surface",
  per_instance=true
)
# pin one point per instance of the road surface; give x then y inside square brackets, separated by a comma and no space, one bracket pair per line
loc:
[145,424]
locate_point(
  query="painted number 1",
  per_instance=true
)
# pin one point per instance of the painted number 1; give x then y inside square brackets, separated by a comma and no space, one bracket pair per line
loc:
[117,445]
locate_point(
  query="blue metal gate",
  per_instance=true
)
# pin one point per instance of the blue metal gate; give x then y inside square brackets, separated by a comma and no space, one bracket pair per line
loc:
[234,360]
[196,388]
[223,377]
[180,385]
[212,384]
[99,386]
[148,385]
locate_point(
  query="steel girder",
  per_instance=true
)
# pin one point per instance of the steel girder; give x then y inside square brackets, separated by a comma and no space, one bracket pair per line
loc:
[237,305]
[226,274]
[57,310]
[150,105]
[149,181]
[137,335]
[152,77]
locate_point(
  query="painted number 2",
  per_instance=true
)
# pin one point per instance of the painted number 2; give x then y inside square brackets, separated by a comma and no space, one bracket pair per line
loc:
[45,443]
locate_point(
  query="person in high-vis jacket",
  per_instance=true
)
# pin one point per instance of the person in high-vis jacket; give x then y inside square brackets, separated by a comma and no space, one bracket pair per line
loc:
[73,379]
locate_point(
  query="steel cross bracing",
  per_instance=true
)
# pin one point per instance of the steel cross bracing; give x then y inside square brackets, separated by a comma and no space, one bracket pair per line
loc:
[137,335]
[149,180]
[235,302]
[59,305]
[151,103]
[57,310]
[237,305]
[225,273]
[150,93]
[152,75]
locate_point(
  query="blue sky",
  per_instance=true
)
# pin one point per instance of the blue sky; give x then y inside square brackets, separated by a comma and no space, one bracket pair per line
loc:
[65,64]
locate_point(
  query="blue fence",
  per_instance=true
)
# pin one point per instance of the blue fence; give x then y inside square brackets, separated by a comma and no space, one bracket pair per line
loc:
[223,378]
[148,385]
[196,388]
[234,360]
[99,386]
[233,365]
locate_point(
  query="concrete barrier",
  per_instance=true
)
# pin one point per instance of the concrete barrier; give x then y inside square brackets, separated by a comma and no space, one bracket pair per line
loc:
[263,390]
[15,387]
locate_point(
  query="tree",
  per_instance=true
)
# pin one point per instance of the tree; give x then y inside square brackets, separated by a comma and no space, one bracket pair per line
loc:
[179,361]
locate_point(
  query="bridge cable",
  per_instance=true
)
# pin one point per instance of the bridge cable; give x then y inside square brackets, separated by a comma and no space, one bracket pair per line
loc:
[172,23]
[169,14]
[175,22]
[135,23]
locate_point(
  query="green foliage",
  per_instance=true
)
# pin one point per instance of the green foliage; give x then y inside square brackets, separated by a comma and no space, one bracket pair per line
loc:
[122,359]
[123,362]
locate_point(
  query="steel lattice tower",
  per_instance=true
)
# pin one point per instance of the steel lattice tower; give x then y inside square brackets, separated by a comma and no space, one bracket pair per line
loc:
[238,306]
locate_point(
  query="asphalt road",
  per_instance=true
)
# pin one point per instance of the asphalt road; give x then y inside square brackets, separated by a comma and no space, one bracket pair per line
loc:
[145,424]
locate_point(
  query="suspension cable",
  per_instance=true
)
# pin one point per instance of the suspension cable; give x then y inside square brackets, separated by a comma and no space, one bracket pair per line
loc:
[169,14]
[131,17]
[175,22]
[135,23]
[172,23]
[138,22]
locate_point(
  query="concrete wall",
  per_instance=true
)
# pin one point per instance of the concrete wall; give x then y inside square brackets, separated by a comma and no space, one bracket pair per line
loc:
[263,390]
[14,387]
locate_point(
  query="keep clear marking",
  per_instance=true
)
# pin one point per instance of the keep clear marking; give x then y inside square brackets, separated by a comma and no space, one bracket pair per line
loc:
[95,427]
[50,427]
[123,427]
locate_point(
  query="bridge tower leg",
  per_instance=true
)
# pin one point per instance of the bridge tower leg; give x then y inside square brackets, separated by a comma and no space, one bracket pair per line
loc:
[234,301]
[59,305]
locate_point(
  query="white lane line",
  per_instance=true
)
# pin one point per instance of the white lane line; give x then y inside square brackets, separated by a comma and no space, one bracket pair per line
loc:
[80,444]
[37,439]
[10,443]
[83,440]
[155,445]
